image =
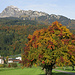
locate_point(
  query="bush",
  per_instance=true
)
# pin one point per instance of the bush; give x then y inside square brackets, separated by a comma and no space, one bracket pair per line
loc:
[3,65]
[14,64]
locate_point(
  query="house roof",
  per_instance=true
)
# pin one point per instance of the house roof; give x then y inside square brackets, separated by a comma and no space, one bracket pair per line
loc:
[1,57]
[16,60]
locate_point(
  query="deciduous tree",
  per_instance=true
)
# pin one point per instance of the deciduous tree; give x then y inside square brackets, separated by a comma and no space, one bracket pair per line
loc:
[46,47]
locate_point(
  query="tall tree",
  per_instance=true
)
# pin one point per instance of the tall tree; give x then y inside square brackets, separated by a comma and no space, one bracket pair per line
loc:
[47,46]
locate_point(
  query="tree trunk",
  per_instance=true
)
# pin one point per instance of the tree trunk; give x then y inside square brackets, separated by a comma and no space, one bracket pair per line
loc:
[49,71]
[73,67]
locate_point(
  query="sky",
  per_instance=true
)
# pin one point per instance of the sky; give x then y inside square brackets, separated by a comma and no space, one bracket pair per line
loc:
[58,7]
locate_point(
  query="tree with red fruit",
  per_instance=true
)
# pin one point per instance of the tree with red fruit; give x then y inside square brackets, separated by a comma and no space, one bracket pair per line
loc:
[46,47]
[71,51]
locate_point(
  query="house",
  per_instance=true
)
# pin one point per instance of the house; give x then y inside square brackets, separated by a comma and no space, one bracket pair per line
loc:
[16,61]
[1,60]
[10,60]
[19,58]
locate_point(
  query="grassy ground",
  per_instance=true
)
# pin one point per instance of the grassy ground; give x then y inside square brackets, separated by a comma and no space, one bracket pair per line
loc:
[58,73]
[69,69]
[26,71]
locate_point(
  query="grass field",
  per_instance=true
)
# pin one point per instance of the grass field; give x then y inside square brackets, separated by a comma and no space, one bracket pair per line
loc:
[26,71]
[68,69]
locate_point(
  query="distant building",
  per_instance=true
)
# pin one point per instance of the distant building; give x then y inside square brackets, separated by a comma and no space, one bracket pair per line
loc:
[10,60]
[19,58]
[1,60]
[16,61]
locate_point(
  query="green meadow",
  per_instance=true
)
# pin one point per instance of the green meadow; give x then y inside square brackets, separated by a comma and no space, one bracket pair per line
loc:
[26,71]
[68,69]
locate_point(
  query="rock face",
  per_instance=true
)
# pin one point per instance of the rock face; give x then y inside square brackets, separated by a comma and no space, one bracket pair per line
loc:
[13,11]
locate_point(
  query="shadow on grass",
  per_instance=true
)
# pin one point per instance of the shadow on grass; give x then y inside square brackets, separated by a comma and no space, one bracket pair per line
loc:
[57,74]
[69,70]
[60,74]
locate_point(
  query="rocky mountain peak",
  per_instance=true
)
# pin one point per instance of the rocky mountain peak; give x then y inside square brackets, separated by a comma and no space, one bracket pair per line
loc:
[56,16]
[14,7]
[13,11]
[11,6]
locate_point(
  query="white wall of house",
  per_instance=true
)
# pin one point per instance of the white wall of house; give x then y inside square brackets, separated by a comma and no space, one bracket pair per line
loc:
[1,61]
[10,61]
[19,58]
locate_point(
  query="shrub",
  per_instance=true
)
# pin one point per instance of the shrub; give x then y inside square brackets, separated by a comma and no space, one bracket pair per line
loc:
[1,66]
[4,65]
[14,64]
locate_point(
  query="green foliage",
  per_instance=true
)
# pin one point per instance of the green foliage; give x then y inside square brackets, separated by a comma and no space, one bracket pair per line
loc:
[14,65]
[49,46]
[3,65]
[16,21]
[13,35]
[72,30]
[13,38]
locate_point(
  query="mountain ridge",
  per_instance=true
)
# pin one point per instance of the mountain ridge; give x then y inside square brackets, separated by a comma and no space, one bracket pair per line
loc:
[13,11]
[41,17]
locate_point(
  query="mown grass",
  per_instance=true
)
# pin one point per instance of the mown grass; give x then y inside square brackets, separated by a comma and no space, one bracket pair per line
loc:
[58,73]
[68,69]
[26,71]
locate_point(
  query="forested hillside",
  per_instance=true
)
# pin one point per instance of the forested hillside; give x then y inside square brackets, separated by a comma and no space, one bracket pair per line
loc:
[14,37]
[16,21]
[14,33]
